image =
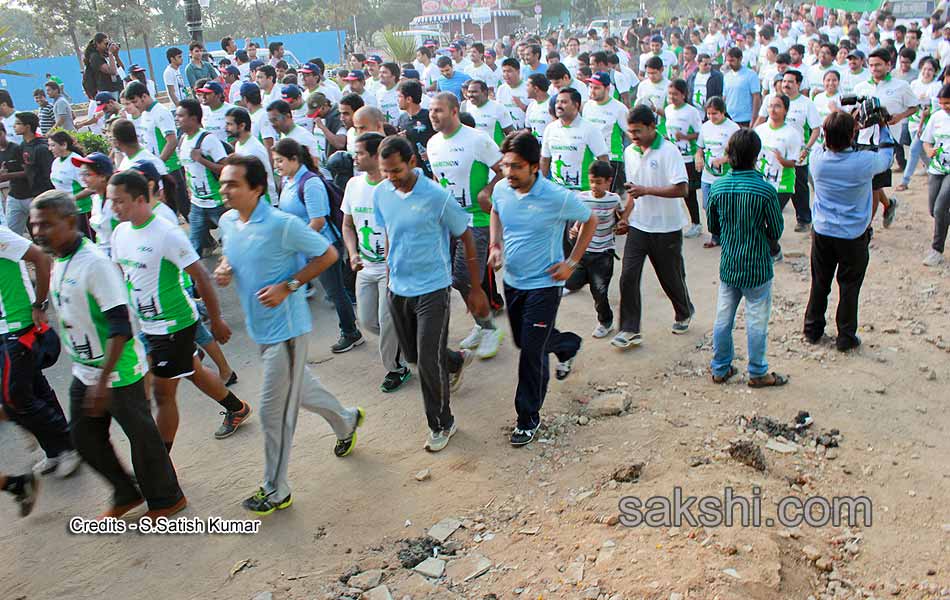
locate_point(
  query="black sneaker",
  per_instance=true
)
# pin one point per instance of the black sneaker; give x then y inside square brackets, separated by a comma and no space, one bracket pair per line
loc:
[261,504]
[232,379]
[345,446]
[26,497]
[523,437]
[890,213]
[232,420]
[847,344]
[394,380]
[347,343]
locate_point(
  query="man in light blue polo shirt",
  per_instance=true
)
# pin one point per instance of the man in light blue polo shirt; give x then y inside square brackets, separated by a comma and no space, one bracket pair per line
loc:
[261,249]
[419,217]
[528,219]
[741,89]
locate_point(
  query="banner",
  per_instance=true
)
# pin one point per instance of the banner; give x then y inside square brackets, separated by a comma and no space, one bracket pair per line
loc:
[852,5]
[432,7]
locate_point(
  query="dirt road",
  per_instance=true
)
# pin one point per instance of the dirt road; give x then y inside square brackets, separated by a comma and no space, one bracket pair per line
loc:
[543,518]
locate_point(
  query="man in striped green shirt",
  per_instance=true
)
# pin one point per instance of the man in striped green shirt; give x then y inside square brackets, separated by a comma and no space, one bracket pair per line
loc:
[744,212]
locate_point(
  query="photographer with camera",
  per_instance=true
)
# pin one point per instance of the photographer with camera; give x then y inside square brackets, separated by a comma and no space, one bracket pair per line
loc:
[103,67]
[936,140]
[842,215]
[898,99]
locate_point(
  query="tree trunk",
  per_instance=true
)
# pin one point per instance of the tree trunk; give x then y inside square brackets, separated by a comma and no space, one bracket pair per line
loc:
[148,55]
[72,36]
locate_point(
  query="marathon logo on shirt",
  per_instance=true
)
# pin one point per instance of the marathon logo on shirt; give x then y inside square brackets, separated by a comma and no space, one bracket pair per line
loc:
[564,148]
[126,262]
[445,163]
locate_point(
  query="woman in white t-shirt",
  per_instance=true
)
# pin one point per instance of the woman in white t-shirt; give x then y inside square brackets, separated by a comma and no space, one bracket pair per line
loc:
[711,158]
[65,177]
[936,140]
[827,101]
[925,87]
[683,122]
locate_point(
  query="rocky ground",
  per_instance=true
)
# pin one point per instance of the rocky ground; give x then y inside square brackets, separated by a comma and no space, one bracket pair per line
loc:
[482,520]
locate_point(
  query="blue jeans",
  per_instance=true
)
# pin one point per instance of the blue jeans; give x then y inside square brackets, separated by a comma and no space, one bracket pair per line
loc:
[332,282]
[202,221]
[916,154]
[758,306]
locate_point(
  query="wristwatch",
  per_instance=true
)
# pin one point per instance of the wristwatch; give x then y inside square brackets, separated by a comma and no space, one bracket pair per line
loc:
[41,305]
[293,285]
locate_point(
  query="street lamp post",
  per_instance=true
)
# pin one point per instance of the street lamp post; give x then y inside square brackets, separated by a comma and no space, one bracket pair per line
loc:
[193,20]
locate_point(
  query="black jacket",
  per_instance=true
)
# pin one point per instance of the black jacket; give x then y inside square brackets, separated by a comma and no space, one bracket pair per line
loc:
[713,86]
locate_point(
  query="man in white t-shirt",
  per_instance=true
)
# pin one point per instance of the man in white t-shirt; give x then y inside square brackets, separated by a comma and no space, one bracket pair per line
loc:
[655,213]
[513,93]
[366,246]
[174,82]
[239,126]
[478,69]
[214,107]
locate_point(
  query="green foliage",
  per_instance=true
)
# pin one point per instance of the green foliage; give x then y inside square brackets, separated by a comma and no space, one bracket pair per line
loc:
[8,53]
[92,142]
[400,48]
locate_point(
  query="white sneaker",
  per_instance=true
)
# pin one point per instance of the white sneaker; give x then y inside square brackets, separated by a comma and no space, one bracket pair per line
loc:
[69,461]
[455,379]
[438,440]
[695,230]
[47,465]
[488,346]
[602,331]
[626,339]
[933,258]
[473,340]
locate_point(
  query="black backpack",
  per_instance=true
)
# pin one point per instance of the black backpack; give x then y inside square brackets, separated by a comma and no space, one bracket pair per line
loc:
[334,195]
[228,148]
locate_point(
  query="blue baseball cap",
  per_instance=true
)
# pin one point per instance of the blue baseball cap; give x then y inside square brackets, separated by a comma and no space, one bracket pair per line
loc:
[257,64]
[600,78]
[102,99]
[357,75]
[249,87]
[232,70]
[147,169]
[99,162]
[374,58]
[212,87]
[410,73]
[289,92]
[309,68]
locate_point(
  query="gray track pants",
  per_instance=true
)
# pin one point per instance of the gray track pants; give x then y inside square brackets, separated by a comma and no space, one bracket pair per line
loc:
[372,307]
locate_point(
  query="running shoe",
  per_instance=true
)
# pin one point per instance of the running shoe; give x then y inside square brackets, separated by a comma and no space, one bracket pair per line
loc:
[490,341]
[438,440]
[695,230]
[232,420]
[345,446]
[347,343]
[261,504]
[523,437]
[168,510]
[890,213]
[778,257]
[933,258]
[394,380]
[68,462]
[602,331]
[117,511]
[563,369]
[47,465]
[802,227]
[681,327]
[26,497]
[232,379]
[473,339]
[626,339]
[455,379]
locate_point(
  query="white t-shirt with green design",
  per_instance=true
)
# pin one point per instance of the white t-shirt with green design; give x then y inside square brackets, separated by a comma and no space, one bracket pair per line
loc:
[65,177]
[462,162]
[157,122]
[687,120]
[537,118]
[16,289]
[712,141]
[788,141]
[143,155]
[253,147]
[84,286]
[492,119]
[153,257]
[203,183]
[611,118]
[371,240]
[103,221]
[937,134]
[214,120]
[572,148]
[823,104]
[506,94]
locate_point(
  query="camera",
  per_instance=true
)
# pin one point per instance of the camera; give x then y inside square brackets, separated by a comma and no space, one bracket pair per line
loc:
[870,111]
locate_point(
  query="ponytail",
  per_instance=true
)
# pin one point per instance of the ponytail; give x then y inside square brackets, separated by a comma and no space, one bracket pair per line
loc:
[290,148]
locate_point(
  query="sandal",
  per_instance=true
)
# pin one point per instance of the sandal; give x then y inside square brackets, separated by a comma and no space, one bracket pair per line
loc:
[773,379]
[901,188]
[724,378]
[709,244]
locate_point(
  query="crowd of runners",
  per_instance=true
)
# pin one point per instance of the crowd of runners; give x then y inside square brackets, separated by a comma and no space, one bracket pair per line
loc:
[514,172]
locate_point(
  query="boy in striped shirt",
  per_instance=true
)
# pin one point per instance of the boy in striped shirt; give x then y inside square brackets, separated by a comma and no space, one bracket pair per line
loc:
[596,268]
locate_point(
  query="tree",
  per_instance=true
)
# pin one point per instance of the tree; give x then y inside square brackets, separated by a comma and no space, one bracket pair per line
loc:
[8,53]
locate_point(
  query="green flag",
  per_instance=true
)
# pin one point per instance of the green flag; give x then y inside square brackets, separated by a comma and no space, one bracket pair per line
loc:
[852,5]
